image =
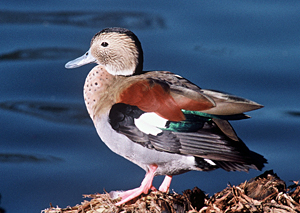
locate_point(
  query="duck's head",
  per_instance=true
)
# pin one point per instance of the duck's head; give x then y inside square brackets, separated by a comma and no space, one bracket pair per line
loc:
[117,49]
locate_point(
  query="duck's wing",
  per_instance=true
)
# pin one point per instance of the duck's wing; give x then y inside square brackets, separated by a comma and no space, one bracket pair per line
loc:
[196,136]
[227,104]
[157,95]
[166,94]
[224,103]
[150,112]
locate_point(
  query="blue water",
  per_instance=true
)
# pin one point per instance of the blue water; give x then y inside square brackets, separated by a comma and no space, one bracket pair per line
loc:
[49,150]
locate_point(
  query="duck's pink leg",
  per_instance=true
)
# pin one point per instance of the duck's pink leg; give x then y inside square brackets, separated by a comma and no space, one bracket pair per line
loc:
[144,188]
[165,186]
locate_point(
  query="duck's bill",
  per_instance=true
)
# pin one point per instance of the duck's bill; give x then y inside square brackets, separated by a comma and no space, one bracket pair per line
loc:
[87,58]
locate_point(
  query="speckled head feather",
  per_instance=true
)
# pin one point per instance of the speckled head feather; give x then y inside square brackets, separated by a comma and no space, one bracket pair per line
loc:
[119,50]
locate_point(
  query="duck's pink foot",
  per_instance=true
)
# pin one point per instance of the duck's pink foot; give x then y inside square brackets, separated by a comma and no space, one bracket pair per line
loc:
[144,188]
[165,186]
[153,188]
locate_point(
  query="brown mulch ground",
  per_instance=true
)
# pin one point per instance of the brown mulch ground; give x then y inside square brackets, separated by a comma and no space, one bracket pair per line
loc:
[265,193]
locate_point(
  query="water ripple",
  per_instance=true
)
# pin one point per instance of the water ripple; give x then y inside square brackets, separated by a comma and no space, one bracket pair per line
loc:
[24,158]
[294,113]
[67,113]
[214,51]
[132,20]
[50,53]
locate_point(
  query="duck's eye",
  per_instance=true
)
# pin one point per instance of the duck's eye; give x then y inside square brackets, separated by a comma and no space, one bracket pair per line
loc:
[104,44]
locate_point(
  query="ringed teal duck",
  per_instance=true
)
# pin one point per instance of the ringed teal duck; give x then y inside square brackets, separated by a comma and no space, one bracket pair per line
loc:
[159,120]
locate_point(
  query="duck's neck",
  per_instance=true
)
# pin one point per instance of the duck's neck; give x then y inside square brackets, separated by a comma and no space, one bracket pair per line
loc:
[95,89]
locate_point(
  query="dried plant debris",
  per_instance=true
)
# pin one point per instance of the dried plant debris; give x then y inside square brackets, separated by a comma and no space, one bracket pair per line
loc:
[265,193]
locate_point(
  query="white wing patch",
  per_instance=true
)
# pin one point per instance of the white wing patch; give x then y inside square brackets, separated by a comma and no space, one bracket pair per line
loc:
[210,162]
[178,76]
[148,123]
